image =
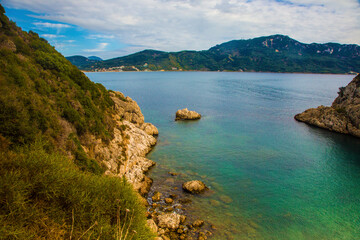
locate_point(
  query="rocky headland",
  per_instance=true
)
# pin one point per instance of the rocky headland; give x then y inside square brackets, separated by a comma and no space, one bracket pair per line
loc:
[185,114]
[344,114]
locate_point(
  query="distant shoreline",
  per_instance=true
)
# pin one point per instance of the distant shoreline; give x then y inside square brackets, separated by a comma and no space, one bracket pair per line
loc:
[84,71]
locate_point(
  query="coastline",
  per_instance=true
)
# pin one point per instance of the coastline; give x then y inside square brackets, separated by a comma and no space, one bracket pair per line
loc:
[167,71]
[172,145]
[125,156]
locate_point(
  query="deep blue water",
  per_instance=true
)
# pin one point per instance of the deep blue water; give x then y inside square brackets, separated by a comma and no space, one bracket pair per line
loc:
[274,178]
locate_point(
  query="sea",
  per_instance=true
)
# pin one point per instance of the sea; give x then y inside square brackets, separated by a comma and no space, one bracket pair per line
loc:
[269,176]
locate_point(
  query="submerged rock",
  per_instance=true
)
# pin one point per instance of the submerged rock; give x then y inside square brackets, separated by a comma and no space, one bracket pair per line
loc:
[198,223]
[344,114]
[225,199]
[156,197]
[185,114]
[195,186]
[169,200]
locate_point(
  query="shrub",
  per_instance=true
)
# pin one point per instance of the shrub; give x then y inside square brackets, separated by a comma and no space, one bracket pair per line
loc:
[44,196]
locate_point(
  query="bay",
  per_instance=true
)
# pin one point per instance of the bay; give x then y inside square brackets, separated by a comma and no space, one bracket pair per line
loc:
[274,178]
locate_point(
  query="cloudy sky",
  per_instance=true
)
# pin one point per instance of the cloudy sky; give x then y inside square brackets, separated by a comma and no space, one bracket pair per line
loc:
[112,28]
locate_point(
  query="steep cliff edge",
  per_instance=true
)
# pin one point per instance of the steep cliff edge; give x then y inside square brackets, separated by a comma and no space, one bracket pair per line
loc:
[125,154]
[344,114]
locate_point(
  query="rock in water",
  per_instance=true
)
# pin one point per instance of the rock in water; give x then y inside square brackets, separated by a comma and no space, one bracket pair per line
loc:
[344,114]
[169,220]
[198,223]
[156,197]
[185,114]
[194,186]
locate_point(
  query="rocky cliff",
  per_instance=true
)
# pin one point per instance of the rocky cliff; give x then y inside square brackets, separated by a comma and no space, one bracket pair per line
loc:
[344,114]
[125,154]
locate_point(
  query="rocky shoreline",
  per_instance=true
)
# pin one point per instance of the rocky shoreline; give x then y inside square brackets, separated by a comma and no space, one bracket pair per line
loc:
[125,156]
[344,114]
[169,202]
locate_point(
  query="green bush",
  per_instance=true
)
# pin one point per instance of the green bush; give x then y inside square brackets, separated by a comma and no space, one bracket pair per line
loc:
[44,196]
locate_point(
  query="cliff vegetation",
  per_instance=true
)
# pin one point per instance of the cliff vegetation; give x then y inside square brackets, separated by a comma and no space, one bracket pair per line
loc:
[52,117]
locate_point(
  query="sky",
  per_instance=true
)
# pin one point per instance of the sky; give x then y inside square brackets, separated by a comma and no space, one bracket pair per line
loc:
[113,28]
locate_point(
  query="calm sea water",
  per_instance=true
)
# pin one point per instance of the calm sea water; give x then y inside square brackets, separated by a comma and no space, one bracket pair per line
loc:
[272,177]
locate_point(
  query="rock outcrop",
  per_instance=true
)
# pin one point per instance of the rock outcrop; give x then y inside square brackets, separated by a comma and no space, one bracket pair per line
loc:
[344,114]
[125,154]
[194,186]
[185,114]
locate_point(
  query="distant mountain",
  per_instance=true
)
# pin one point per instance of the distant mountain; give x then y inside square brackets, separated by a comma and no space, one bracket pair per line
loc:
[81,61]
[95,58]
[276,53]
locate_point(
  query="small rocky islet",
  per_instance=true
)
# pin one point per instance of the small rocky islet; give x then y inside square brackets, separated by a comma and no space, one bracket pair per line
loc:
[195,186]
[343,116]
[185,114]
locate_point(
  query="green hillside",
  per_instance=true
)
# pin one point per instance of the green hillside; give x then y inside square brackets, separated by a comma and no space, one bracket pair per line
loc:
[49,187]
[275,53]
[81,61]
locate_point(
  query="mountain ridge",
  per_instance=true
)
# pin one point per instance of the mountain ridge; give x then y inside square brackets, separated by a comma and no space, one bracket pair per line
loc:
[275,53]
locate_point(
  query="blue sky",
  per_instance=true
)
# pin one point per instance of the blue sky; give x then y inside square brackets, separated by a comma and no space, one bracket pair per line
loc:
[112,28]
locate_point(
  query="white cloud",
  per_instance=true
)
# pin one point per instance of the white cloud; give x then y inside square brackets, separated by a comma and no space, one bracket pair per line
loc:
[51,36]
[51,25]
[173,25]
[101,47]
[96,36]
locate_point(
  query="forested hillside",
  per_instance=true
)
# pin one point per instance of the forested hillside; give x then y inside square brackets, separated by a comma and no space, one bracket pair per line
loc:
[276,53]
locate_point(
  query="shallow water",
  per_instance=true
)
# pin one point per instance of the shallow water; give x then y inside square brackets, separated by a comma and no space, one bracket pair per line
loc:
[272,177]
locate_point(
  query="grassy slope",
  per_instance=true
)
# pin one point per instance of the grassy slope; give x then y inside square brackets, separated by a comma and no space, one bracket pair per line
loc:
[47,109]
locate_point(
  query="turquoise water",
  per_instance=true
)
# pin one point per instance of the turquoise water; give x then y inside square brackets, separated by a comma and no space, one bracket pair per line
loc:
[274,178]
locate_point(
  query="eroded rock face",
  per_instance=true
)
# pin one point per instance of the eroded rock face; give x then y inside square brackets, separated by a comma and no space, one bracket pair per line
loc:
[126,108]
[194,186]
[150,129]
[344,114]
[185,114]
[169,220]
[133,139]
